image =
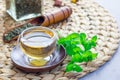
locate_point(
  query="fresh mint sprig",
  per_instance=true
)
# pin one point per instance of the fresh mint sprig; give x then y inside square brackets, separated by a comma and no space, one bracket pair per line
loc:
[78,47]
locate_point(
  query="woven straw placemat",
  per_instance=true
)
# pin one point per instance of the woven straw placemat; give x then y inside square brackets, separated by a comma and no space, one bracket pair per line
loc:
[88,17]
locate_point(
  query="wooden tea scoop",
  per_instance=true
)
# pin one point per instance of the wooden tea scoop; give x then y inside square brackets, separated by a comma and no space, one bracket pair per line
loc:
[44,20]
[53,17]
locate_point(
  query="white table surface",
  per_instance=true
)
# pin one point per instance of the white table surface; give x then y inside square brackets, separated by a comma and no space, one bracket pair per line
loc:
[110,70]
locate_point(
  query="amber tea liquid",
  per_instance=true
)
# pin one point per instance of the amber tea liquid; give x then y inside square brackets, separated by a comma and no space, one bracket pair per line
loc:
[38,44]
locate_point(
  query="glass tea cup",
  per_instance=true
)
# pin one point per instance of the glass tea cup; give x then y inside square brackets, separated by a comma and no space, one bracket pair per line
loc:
[38,44]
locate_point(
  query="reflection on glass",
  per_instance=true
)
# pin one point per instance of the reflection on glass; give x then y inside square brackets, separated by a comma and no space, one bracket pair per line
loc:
[38,43]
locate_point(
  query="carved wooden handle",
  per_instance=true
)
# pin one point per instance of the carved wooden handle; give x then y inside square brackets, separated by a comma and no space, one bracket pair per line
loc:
[57,16]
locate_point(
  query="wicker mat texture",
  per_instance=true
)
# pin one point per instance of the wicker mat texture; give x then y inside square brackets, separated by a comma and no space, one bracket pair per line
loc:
[88,16]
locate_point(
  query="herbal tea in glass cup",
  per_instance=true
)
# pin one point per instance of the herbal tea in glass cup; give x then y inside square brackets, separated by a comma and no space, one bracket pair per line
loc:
[38,44]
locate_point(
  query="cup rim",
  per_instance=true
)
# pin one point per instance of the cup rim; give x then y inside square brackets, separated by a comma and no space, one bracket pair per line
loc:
[35,27]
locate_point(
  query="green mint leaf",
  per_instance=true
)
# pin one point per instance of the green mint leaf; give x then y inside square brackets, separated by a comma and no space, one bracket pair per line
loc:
[69,50]
[61,40]
[93,44]
[94,39]
[73,67]
[87,45]
[94,55]
[77,68]
[82,37]
[78,47]
[73,36]
[89,56]
[69,66]
[77,58]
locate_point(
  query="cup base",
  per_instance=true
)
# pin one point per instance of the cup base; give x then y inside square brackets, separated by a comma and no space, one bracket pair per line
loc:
[39,62]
